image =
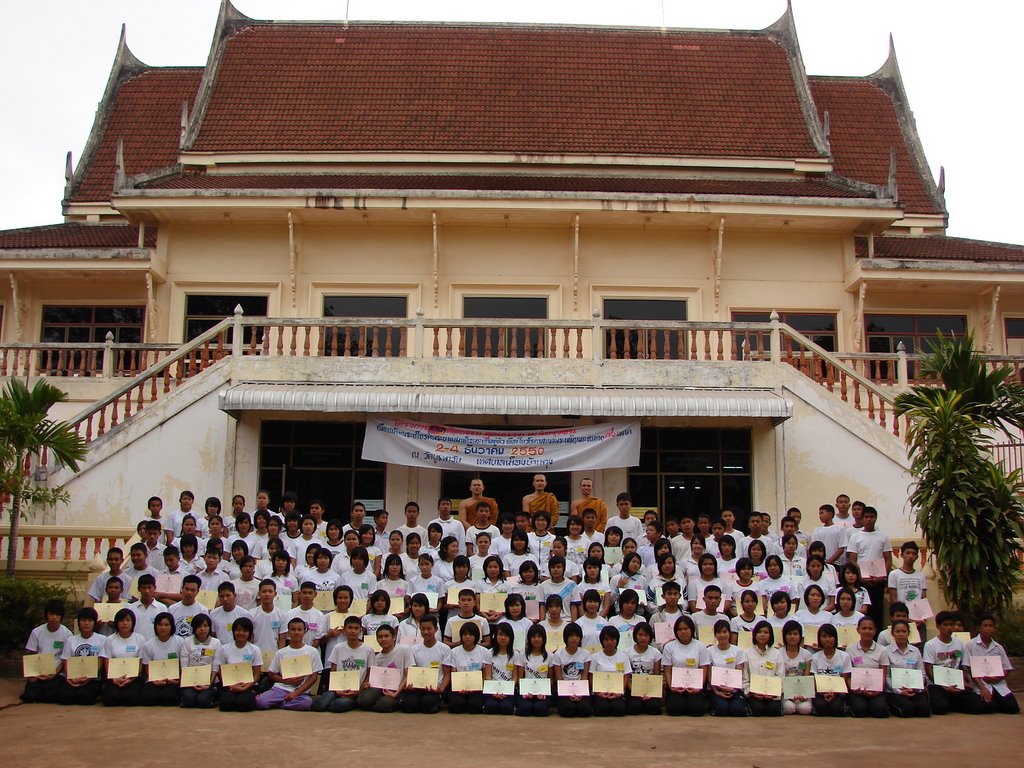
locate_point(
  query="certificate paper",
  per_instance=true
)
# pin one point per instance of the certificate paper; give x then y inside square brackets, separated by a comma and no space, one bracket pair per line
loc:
[872,569]
[493,601]
[744,639]
[432,599]
[502,687]
[535,686]
[385,678]
[422,677]
[847,636]
[647,685]
[370,641]
[800,686]
[573,688]
[324,601]
[193,676]
[122,668]
[766,685]
[907,678]
[207,598]
[706,634]
[83,666]
[164,669]
[946,677]
[344,680]
[106,611]
[38,664]
[829,684]
[662,632]
[725,677]
[468,681]
[608,682]
[296,666]
[863,679]
[986,666]
[920,610]
[268,656]
[236,674]
[168,583]
[687,677]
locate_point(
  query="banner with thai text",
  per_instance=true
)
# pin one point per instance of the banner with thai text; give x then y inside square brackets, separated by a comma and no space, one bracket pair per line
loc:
[415,444]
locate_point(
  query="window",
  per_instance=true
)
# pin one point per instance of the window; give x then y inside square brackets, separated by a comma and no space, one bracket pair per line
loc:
[819,327]
[917,332]
[362,340]
[688,471]
[504,342]
[203,311]
[1014,335]
[646,343]
[87,325]
[320,460]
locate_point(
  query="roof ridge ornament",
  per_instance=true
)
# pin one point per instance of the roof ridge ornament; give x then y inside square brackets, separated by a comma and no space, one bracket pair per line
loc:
[120,177]
[890,186]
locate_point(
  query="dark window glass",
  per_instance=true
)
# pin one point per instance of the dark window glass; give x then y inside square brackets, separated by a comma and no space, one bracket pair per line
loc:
[362,340]
[504,342]
[659,344]
[819,327]
[1014,327]
[89,325]
[203,311]
[918,334]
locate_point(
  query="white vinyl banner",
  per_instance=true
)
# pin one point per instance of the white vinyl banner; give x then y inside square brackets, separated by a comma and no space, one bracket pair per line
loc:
[415,444]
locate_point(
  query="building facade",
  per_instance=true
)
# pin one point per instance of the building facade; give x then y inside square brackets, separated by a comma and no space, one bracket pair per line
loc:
[503,226]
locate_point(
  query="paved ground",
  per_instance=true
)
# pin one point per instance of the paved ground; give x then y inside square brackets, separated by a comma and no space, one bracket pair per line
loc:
[48,735]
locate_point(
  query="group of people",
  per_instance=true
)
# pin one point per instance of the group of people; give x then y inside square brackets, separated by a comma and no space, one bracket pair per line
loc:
[492,612]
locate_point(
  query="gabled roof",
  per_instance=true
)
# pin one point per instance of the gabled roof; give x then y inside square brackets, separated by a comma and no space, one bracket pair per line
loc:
[868,117]
[390,87]
[939,247]
[144,112]
[75,235]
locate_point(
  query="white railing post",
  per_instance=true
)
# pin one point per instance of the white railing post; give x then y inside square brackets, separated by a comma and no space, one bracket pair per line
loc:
[108,356]
[236,333]
[901,365]
[597,336]
[420,352]
[775,338]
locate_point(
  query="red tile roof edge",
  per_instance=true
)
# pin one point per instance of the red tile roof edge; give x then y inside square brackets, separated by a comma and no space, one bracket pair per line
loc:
[939,248]
[76,235]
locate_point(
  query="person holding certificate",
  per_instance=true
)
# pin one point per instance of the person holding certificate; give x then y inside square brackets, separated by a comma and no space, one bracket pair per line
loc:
[948,688]
[533,666]
[383,689]
[78,688]
[47,638]
[796,663]
[502,670]
[351,657]
[685,694]
[434,656]
[160,659]
[614,665]
[198,651]
[245,659]
[572,664]
[989,677]
[906,691]
[123,686]
[468,656]
[293,670]
[830,662]
[727,692]
[644,659]
[763,661]
[867,691]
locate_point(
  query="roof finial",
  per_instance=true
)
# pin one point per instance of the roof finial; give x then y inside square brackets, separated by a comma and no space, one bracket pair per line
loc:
[891,185]
[942,183]
[184,124]
[827,130]
[69,169]
[120,177]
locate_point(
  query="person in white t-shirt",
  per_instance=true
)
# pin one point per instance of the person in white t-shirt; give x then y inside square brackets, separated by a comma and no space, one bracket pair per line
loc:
[125,643]
[160,692]
[227,613]
[352,655]
[239,697]
[390,656]
[995,694]
[833,536]
[631,527]
[412,516]
[48,637]
[292,692]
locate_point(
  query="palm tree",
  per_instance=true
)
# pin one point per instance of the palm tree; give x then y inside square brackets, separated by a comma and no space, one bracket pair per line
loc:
[968,507]
[26,431]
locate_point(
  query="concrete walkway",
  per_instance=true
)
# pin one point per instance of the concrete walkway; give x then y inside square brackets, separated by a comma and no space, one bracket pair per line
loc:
[48,735]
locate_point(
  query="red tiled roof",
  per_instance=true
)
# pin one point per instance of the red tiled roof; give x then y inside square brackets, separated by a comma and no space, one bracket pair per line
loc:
[147,114]
[613,184]
[940,247]
[76,235]
[466,88]
[863,126]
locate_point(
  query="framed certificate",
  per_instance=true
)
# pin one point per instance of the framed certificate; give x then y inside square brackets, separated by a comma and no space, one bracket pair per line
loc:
[907,678]
[38,664]
[236,674]
[608,682]
[502,687]
[647,685]
[766,685]
[164,669]
[829,684]
[862,679]
[422,677]
[535,686]
[296,666]
[947,676]
[573,688]
[123,667]
[193,676]
[726,677]
[344,680]
[385,678]
[467,681]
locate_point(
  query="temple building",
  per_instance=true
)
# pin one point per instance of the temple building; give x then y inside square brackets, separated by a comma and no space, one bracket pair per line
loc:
[500,226]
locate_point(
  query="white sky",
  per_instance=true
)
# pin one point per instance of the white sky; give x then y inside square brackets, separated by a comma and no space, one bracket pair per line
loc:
[961,65]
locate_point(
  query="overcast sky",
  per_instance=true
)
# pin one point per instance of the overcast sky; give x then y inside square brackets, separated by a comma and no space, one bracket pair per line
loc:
[961,64]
